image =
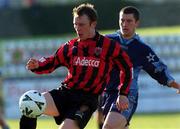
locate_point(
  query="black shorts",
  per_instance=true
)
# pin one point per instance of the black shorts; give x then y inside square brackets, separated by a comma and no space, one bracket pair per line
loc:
[74,104]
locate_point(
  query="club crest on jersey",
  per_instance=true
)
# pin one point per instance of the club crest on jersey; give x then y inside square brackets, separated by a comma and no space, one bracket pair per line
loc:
[86,61]
[97,51]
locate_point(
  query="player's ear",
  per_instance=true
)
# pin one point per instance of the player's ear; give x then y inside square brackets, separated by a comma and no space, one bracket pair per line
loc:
[94,23]
[137,23]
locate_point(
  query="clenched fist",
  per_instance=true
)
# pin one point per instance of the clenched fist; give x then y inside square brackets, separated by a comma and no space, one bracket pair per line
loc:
[32,64]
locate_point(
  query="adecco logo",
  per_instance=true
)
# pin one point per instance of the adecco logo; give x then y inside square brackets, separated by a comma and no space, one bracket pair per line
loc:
[86,61]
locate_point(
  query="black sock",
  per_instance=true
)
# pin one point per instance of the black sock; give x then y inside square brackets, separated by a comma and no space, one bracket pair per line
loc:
[27,123]
[100,125]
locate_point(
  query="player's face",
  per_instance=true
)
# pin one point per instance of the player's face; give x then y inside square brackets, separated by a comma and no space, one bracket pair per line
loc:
[127,24]
[83,27]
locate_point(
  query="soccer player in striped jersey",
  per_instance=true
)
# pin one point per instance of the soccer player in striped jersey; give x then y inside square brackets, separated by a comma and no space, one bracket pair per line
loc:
[143,58]
[89,59]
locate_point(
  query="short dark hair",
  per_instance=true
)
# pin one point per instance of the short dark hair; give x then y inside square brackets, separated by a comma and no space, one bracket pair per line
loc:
[131,10]
[86,9]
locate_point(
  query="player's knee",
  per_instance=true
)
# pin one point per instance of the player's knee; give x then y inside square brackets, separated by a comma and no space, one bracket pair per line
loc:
[51,108]
[107,126]
[111,126]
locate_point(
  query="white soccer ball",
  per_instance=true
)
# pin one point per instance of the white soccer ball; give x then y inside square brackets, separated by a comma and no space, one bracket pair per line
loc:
[32,104]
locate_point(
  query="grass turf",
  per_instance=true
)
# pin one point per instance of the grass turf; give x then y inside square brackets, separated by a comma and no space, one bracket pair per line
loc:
[139,121]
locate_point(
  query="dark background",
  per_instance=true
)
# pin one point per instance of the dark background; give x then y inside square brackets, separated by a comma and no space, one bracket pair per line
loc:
[55,20]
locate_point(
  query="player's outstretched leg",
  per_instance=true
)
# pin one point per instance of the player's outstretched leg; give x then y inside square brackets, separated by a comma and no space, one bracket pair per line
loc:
[27,123]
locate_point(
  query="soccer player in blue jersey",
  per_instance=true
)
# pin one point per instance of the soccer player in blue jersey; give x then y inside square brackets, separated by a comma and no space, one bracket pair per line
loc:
[143,58]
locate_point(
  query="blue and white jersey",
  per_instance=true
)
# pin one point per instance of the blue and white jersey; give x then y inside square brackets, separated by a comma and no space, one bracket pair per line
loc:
[142,57]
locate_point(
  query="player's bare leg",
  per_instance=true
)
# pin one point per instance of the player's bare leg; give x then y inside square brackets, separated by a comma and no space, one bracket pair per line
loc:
[50,109]
[69,124]
[31,123]
[117,121]
[100,119]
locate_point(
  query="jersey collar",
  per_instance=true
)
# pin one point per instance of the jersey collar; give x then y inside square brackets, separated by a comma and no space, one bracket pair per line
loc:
[127,41]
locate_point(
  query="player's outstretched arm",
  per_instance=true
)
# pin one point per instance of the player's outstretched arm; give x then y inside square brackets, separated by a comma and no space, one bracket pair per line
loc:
[175,85]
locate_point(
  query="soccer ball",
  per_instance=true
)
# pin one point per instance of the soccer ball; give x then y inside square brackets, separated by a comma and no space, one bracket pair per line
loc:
[32,104]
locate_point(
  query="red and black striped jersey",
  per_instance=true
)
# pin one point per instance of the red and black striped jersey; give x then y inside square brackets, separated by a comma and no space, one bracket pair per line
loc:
[89,64]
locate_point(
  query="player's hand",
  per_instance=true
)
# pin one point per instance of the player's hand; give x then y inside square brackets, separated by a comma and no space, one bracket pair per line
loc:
[178,91]
[32,64]
[175,85]
[122,102]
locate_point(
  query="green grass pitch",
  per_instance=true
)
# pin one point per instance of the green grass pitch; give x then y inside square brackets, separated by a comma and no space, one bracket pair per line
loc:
[139,121]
